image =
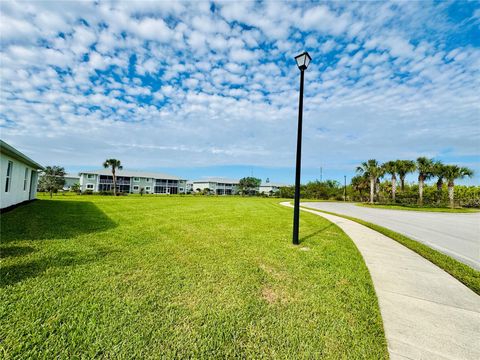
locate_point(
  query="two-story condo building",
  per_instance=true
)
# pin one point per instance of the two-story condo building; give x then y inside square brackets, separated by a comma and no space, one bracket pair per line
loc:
[218,186]
[132,182]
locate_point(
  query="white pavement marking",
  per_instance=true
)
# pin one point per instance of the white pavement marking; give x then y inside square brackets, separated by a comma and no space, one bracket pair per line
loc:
[427,314]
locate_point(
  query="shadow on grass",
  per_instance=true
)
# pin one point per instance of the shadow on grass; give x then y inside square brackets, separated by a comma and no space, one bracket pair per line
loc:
[14,251]
[15,273]
[51,219]
[315,233]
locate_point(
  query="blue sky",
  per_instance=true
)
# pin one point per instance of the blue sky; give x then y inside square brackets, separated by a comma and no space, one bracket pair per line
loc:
[211,88]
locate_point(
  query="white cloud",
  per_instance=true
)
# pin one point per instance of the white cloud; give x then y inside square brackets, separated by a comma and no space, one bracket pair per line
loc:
[222,87]
[151,29]
[323,19]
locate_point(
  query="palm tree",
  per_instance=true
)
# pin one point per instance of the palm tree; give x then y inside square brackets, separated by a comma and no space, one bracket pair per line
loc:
[453,172]
[403,168]
[373,171]
[425,167]
[114,164]
[359,183]
[390,167]
[439,171]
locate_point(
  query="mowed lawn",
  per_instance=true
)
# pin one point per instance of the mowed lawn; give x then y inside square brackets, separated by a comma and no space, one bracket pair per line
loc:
[184,277]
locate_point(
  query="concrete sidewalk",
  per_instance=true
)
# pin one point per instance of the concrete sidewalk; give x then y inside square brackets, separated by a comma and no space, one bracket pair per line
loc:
[427,314]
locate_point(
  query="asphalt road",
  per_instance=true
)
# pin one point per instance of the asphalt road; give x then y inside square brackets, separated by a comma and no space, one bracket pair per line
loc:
[454,234]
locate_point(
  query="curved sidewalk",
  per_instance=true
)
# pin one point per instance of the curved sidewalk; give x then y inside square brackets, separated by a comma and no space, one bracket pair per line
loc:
[427,314]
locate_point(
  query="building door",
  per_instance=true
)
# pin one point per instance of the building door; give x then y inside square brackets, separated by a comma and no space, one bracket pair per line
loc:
[33,182]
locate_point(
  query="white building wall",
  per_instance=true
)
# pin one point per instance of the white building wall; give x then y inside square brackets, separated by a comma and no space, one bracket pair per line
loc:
[205,185]
[16,193]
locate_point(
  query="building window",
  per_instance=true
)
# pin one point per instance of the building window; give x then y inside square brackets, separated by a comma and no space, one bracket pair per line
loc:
[135,187]
[136,179]
[89,186]
[148,180]
[8,179]
[90,176]
[147,188]
[25,179]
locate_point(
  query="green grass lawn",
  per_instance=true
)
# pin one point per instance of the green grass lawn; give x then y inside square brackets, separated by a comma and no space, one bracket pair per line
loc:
[418,208]
[181,277]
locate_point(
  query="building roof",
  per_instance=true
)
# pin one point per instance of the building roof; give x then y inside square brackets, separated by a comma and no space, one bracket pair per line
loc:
[14,153]
[72,176]
[130,173]
[216,180]
[269,184]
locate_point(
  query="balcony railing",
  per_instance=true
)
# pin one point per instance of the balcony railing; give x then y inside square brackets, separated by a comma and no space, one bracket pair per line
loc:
[110,181]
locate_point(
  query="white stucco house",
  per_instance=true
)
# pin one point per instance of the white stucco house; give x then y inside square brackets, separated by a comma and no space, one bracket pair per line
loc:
[269,187]
[19,176]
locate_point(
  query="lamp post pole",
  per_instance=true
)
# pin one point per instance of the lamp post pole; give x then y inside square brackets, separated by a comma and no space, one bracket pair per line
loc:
[296,210]
[345,188]
[303,60]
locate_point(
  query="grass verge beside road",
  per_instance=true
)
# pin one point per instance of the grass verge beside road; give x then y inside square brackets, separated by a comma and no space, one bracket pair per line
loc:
[181,277]
[464,273]
[417,208]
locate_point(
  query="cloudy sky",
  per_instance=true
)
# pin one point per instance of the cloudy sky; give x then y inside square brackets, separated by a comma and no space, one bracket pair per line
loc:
[211,88]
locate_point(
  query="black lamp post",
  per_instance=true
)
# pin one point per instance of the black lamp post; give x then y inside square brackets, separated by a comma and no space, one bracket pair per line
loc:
[303,60]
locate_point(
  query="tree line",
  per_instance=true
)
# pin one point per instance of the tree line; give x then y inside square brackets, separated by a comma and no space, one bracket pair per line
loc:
[372,171]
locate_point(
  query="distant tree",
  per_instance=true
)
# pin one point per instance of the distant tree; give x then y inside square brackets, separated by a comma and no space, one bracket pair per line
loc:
[249,185]
[425,167]
[373,171]
[75,187]
[114,164]
[453,172]
[404,167]
[206,191]
[52,179]
[142,191]
[391,167]
[287,192]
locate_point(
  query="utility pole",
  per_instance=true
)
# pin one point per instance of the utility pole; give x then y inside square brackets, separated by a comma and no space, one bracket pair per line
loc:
[345,188]
[321,174]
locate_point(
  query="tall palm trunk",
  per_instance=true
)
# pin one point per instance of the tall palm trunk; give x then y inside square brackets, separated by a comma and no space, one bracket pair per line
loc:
[372,189]
[402,182]
[451,193]
[114,182]
[394,186]
[439,190]
[420,190]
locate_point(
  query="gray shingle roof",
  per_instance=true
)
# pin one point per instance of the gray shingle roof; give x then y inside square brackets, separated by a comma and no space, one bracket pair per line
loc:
[130,173]
[273,184]
[216,180]
[73,176]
